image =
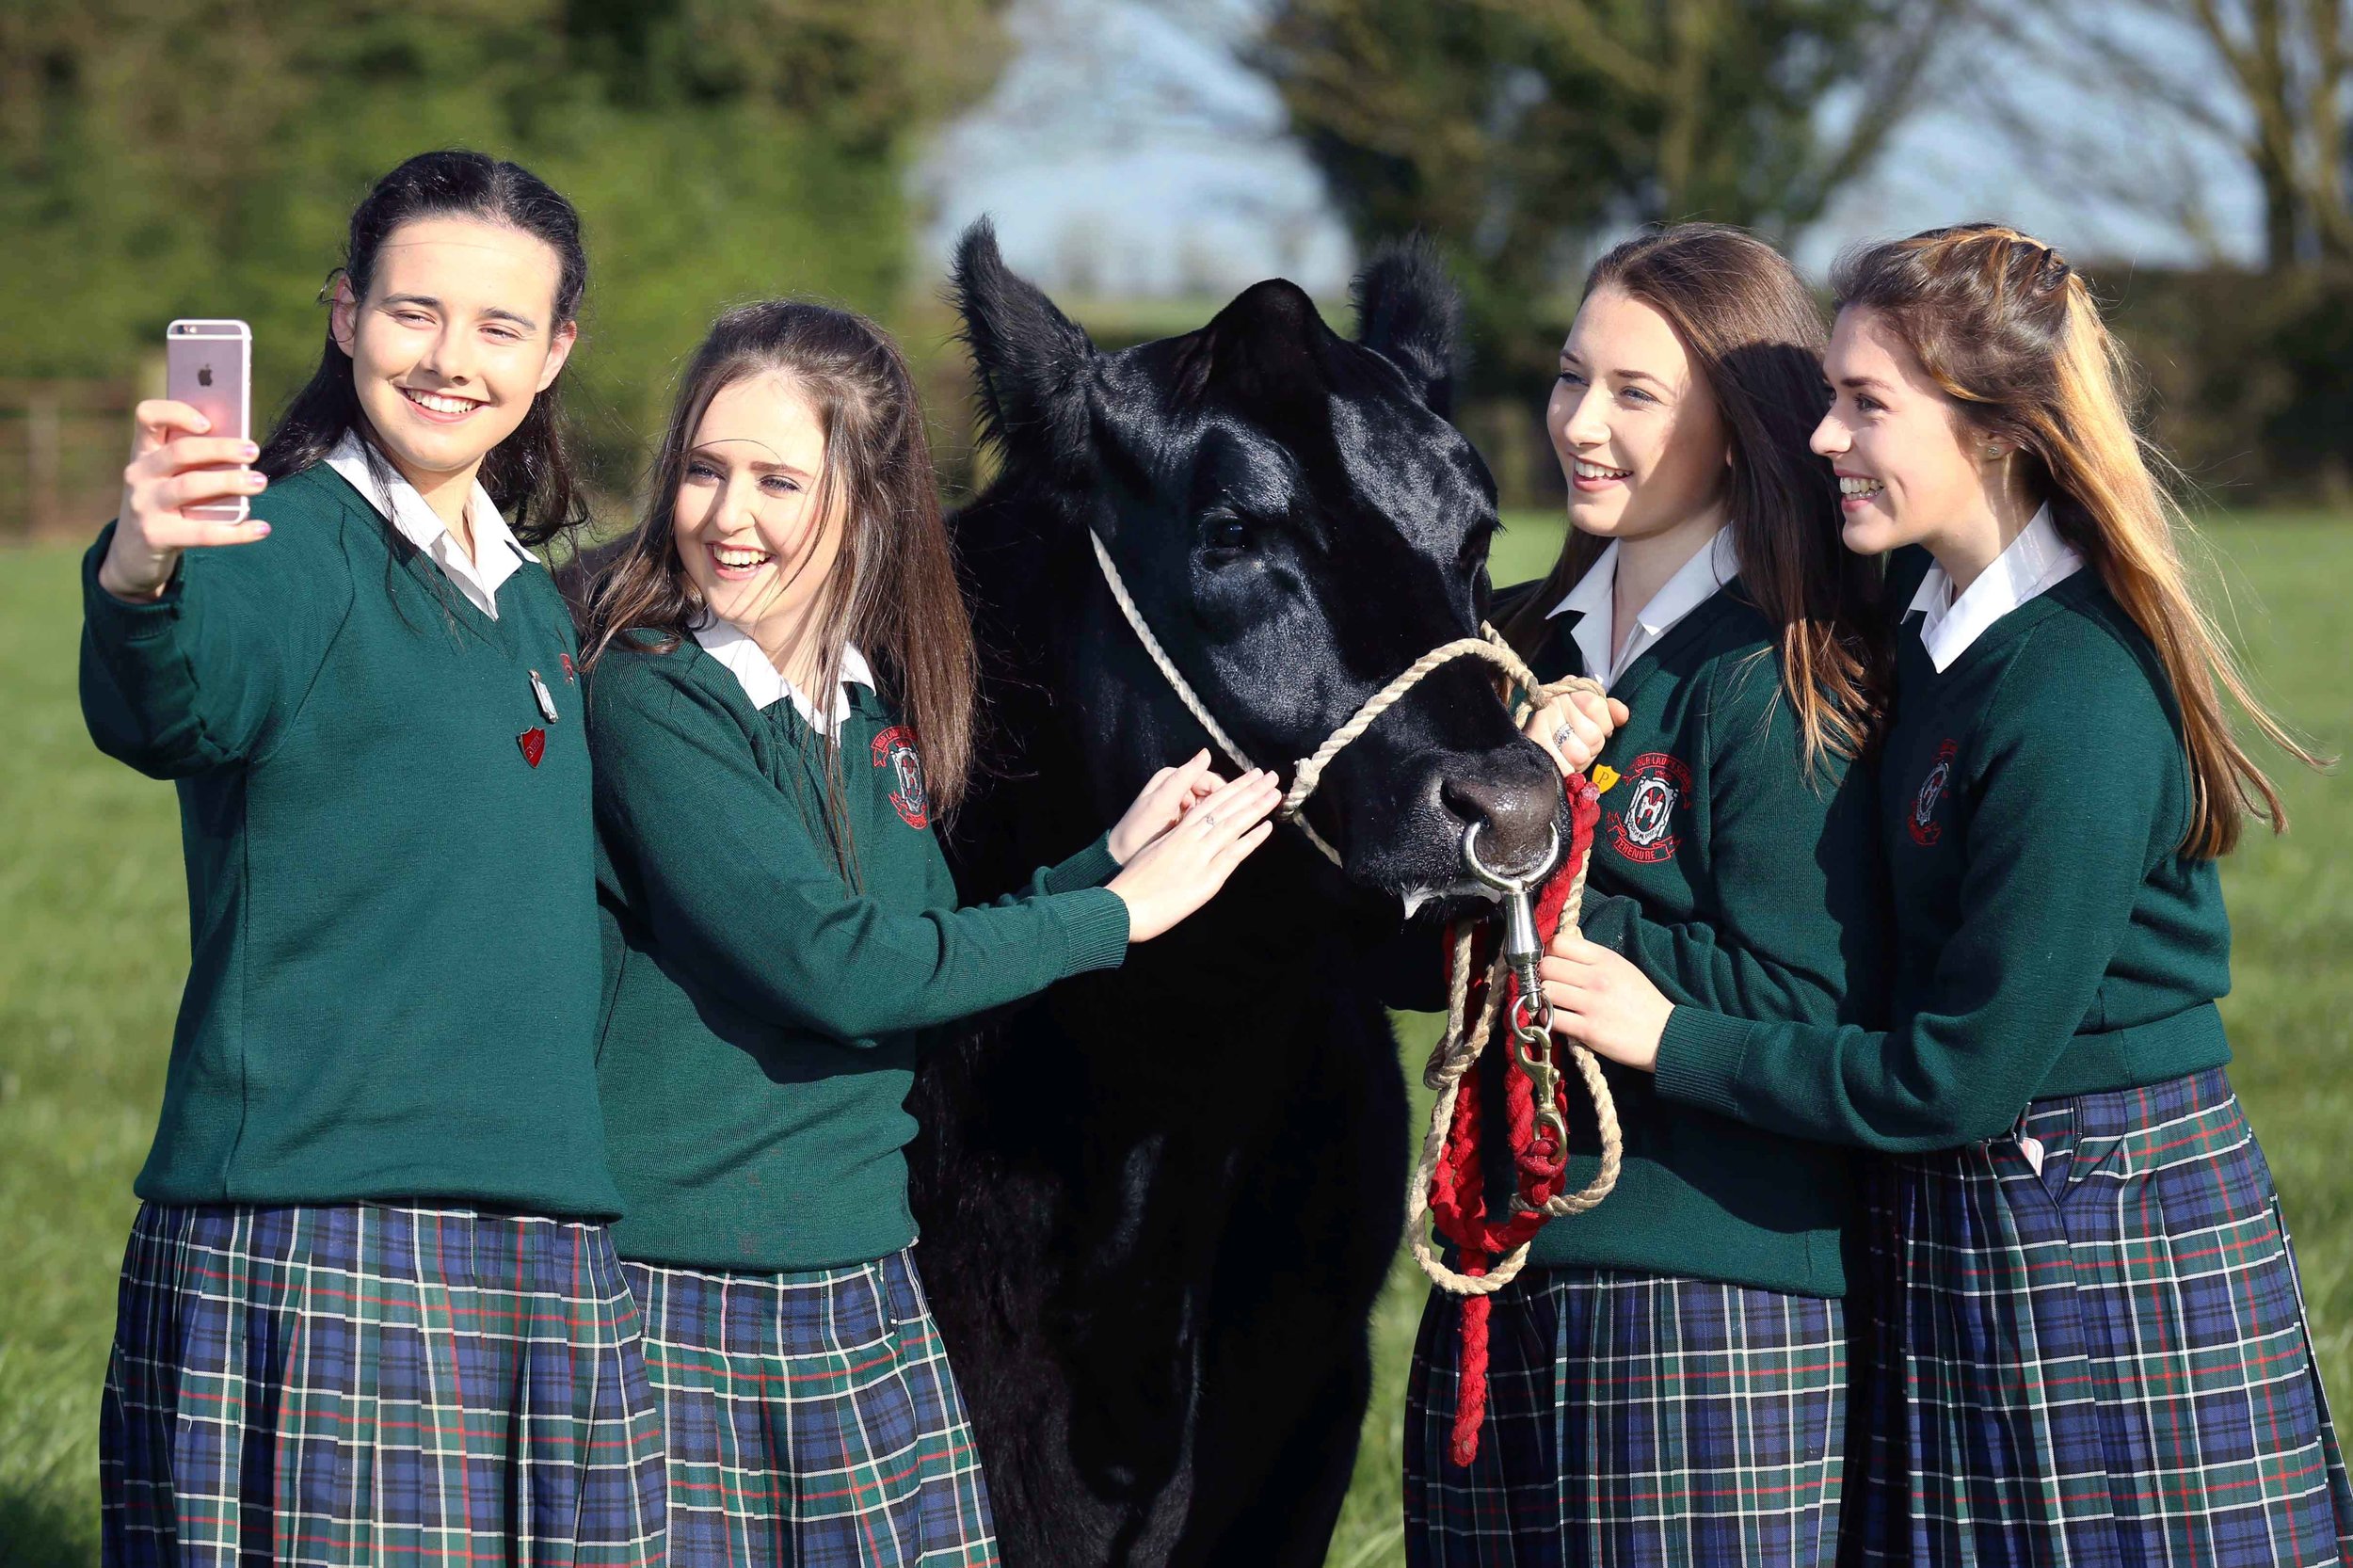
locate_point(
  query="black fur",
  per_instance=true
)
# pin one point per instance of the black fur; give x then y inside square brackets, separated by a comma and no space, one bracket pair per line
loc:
[1406,303]
[1157,1203]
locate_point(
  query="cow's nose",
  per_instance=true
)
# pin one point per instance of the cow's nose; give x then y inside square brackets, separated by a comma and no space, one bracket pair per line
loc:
[1513,800]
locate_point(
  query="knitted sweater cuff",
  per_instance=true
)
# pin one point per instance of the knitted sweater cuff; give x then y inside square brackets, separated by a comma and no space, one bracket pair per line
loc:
[116,620]
[1090,868]
[1096,929]
[1700,1057]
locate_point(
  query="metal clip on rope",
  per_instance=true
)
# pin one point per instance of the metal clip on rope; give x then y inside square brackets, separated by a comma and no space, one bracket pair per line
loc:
[1532,1014]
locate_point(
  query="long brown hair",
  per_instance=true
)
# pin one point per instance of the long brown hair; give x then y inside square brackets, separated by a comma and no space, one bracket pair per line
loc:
[2010,333]
[892,590]
[1755,335]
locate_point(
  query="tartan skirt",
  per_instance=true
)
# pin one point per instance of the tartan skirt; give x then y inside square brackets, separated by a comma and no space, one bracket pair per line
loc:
[364,1384]
[1632,1420]
[813,1421]
[2102,1361]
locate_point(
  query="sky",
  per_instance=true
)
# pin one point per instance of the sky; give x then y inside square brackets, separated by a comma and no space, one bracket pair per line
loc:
[1125,151]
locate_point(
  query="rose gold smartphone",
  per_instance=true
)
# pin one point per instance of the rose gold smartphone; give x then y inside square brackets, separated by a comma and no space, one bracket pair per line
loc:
[209,366]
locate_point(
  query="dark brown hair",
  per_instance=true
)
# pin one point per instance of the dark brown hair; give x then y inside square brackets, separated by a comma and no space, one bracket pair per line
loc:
[892,590]
[528,475]
[1756,335]
[2009,332]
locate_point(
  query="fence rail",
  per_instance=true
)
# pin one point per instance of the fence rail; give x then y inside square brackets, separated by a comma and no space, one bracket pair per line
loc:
[62,443]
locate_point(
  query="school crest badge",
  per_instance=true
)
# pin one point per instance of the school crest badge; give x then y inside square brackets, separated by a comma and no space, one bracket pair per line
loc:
[1924,827]
[1643,829]
[894,749]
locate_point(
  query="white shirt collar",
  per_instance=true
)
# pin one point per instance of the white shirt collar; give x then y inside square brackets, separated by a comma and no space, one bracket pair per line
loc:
[758,675]
[2037,561]
[1694,583]
[496,556]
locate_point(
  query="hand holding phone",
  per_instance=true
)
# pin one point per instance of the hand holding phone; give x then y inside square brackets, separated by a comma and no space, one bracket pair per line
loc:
[187,484]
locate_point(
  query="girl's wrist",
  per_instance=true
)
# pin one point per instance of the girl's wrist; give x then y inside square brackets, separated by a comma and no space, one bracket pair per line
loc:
[135,587]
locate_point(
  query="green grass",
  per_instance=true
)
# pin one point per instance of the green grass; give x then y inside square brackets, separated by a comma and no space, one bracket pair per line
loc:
[96,943]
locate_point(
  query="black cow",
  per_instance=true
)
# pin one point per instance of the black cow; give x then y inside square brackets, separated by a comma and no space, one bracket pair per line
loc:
[1157,1203]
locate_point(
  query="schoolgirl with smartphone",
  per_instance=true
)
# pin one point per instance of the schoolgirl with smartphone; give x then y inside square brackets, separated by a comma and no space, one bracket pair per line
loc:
[782,695]
[370,1310]
[2088,1342]
[1668,1376]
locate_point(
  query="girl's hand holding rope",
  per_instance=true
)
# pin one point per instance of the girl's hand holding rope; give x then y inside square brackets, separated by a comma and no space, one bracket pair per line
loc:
[1572,728]
[1602,1002]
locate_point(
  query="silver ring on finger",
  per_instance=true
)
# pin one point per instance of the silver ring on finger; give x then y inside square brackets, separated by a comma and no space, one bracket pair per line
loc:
[1209,820]
[1561,737]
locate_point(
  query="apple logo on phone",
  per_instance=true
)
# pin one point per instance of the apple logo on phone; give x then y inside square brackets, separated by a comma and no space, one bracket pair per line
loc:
[205,375]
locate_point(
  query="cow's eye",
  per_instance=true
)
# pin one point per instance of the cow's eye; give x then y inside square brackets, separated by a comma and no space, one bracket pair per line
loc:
[1478,542]
[1226,533]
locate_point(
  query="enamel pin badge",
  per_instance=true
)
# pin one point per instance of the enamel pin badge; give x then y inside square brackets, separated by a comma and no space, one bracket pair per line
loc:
[534,742]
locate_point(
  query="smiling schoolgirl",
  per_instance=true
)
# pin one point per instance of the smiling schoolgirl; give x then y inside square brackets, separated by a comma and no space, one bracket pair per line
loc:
[2088,1342]
[782,685]
[370,1311]
[1668,1376]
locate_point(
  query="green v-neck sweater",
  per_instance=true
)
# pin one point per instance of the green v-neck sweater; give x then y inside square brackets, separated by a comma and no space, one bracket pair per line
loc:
[1738,882]
[2051,937]
[764,1015]
[393,978]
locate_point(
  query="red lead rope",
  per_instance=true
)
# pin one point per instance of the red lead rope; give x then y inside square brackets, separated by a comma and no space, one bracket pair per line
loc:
[1457,1186]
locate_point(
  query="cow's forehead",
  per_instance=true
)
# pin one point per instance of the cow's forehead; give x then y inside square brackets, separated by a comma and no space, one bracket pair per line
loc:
[1404,465]
[1407,464]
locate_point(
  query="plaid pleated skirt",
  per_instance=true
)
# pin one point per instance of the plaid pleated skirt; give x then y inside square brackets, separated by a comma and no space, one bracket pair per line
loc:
[1632,1420]
[366,1384]
[813,1421]
[2102,1361]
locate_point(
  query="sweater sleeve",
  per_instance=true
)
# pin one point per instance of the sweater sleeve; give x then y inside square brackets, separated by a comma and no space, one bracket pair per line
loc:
[739,893]
[2079,791]
[1091,866]
[208,674]
[1797,921]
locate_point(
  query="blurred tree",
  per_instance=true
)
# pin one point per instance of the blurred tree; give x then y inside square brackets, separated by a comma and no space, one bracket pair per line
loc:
[2270,81]
[199,157]
[1514,131]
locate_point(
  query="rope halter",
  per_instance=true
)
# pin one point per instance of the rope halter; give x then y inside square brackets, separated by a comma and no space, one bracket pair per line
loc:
[1308,770]
[1466,1037]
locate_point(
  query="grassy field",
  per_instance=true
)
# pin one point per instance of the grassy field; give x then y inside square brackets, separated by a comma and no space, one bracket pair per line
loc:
[97,943]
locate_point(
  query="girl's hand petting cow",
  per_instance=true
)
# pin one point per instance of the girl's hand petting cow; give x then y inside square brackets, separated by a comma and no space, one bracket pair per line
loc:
[1182,868]
[1162,803]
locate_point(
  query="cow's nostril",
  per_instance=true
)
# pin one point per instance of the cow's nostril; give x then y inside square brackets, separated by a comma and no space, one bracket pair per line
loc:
[1515,814]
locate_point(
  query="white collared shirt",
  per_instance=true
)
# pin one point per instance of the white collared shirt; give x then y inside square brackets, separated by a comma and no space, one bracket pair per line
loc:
[2037,561]
[1713,564]
[496,556]
[757,674]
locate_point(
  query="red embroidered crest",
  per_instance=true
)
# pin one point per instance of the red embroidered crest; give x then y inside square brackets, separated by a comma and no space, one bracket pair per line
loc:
[894,748]
[568,672]
[1643,829]
[533,741]
[1924,827]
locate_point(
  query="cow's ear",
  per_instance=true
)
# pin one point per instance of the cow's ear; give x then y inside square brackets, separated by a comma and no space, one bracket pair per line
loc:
[1029,358]
[1409,312]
